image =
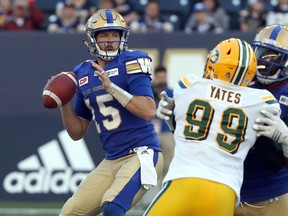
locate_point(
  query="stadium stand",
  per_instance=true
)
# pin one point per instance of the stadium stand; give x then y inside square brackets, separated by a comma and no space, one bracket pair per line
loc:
[47,6]
[176,11]
[232,8]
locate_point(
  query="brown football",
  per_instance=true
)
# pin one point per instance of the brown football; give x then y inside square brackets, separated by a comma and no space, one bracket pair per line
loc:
[59,90]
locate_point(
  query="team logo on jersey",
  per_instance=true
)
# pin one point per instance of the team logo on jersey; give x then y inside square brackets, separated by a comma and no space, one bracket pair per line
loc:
[283,100]
[214,56]
[83,81]
[111,72]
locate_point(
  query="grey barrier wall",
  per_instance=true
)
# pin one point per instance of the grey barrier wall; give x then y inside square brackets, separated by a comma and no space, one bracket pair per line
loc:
[39,161]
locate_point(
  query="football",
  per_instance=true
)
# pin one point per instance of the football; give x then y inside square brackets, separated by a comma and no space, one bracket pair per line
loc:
[59,90]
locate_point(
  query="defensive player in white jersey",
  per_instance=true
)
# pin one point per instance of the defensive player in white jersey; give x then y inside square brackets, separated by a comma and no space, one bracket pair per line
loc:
[213,134]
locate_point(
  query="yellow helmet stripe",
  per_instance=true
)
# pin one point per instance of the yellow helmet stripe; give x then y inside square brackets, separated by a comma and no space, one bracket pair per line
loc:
[244,57]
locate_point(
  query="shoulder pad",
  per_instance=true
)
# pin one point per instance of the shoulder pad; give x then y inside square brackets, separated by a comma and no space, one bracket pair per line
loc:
[185,82]
[137,62]
[268,97]
[134,54]
[77,67]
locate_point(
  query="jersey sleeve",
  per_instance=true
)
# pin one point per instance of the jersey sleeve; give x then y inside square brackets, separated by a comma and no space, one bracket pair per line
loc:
[77,67]
[183,83]
[270,151]
[137,62]
[80,107]
[271,103]
[140,85]
[138,69]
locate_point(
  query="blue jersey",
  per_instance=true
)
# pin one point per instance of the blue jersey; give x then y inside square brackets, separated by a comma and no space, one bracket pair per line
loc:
[119,130]
[259,182]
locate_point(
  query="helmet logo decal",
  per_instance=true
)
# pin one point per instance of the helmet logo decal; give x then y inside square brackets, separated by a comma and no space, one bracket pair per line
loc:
[247,80]
[228,75]
[214,56]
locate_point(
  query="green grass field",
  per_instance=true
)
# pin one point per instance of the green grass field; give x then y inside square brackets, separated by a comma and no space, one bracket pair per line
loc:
[43,209]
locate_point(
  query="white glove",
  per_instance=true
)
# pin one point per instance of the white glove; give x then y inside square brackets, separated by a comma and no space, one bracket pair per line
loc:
[273,127]
[165,109]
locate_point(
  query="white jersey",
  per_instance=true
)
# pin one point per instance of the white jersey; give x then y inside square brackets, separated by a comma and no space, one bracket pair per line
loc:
[213,131]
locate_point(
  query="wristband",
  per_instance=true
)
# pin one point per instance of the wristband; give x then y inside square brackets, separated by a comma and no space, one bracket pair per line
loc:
[122,96]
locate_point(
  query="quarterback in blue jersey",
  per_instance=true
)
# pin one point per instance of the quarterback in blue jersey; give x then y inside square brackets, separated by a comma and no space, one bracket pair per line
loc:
[265,186]
[115,91]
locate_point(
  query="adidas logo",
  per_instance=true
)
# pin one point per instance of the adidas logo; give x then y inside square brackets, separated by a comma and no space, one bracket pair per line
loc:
[53,170]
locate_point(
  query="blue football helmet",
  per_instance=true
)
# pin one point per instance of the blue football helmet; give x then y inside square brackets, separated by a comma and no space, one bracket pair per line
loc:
[271,48]
[106,20]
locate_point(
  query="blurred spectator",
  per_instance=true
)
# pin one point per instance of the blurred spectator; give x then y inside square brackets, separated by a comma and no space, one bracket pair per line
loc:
[218,13]
[126,10]
[67,22]
[5,11]
[253,18]
[25,16]
[84,8]
[105,4]
[200,21]
[151,21]
[278,14]
[159,84]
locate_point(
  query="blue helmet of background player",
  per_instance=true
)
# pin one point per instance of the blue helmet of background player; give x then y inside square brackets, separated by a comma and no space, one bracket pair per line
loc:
[271,48]
[106,20]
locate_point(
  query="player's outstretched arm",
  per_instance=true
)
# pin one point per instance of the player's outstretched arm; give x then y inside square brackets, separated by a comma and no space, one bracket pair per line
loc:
[271,126]
[165,110]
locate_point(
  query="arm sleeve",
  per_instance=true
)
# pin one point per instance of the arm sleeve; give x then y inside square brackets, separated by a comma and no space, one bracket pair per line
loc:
[271,153]
[140,85]
[81,108]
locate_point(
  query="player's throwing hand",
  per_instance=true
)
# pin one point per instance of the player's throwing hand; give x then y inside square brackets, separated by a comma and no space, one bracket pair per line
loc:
[103,76]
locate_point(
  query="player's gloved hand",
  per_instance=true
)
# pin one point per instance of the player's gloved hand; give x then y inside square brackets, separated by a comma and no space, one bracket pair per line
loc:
[165,110]
[273,127]
[165,107]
